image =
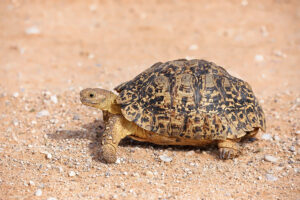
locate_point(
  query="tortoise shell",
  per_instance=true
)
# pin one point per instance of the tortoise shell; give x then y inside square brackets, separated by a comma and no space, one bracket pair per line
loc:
[195,99]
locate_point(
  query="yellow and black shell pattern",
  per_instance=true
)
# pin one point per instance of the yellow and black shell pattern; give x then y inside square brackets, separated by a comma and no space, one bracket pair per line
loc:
[194,99]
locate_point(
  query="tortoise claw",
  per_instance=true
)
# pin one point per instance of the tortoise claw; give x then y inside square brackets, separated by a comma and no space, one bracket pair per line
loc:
[227,153]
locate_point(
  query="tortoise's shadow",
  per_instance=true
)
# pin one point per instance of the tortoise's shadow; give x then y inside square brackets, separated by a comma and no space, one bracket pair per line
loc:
[93,132]
[90,131]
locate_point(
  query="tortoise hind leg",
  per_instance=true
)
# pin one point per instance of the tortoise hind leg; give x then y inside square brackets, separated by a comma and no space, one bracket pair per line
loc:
[114,133]
[252,134]
[228,149]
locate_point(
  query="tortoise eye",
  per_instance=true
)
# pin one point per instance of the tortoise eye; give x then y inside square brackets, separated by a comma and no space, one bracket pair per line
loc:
[92,95]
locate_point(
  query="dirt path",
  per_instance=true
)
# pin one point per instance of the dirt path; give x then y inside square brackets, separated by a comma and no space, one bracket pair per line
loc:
[50,50]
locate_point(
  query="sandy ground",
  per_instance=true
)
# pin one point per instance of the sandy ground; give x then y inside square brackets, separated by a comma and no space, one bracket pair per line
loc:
[50,50]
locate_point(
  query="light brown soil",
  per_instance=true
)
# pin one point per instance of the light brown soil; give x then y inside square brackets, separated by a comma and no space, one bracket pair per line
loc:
[103,43]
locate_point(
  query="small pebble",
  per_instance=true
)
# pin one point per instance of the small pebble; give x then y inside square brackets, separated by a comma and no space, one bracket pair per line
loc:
[244,3]
[277,138]
[118,161]
[76,117]
[72,173]
[54,121]
[149,174]
[91,56]
[279,53]
[48,155]
[266,136]
[31,183]
[264,31]
[193,47]
[43,113]
[298,132]
[15,122]
[261,101]
[93,7]
[190,153]
[33,30]
[259,58]
[38,193]
[165,158]
[46,93]
[60,169]
[270,158]
[292,149]
[53,98]
[51,198]
[16,94]
[271,177]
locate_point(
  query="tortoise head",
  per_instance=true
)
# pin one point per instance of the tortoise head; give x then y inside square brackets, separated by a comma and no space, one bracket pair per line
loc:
[98,98]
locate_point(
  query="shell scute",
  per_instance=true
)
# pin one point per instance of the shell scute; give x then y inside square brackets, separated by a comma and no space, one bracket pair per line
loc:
[192,99]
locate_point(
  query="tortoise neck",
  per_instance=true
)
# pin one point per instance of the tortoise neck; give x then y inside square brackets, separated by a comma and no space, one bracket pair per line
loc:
[113,107]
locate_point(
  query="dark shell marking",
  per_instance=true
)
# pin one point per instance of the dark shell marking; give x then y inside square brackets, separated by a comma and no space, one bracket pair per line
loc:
[193,99]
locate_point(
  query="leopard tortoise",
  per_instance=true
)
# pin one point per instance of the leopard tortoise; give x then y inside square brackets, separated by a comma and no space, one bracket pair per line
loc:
[180,102]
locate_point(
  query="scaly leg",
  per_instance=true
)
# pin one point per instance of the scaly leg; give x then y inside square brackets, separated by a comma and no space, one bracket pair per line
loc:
[114,132]
[228,149]
[252,133]
[102,126]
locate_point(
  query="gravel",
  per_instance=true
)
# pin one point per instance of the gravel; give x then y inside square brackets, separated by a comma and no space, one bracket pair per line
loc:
[292,149]
[72,173]
[48,156]
[51,198]
[165,158]
[31,183]
[16,94]
[276,138]
[271,177]
[53,98]
[266,136]
[38,193]
[42,113]
[271,158]
[193,47]
[149,174]
[259,58]
[16,122]
[33,30]
[279,53]
[76,117]
[264,31]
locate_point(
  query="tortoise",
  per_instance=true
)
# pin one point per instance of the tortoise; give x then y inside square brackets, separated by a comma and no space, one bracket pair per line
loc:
[179,102]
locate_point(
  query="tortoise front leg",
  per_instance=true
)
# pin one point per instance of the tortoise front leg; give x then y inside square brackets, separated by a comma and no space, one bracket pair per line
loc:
[114,132]
[228,149]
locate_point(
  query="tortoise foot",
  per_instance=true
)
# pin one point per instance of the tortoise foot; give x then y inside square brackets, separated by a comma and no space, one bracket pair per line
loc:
[227,153]
[109,153]
[228,149]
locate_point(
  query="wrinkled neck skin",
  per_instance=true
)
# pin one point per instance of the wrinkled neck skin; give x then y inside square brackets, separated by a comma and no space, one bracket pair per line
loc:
[111,105]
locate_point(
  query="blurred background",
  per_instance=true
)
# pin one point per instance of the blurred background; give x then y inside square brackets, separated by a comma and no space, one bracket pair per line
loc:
[61,44]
